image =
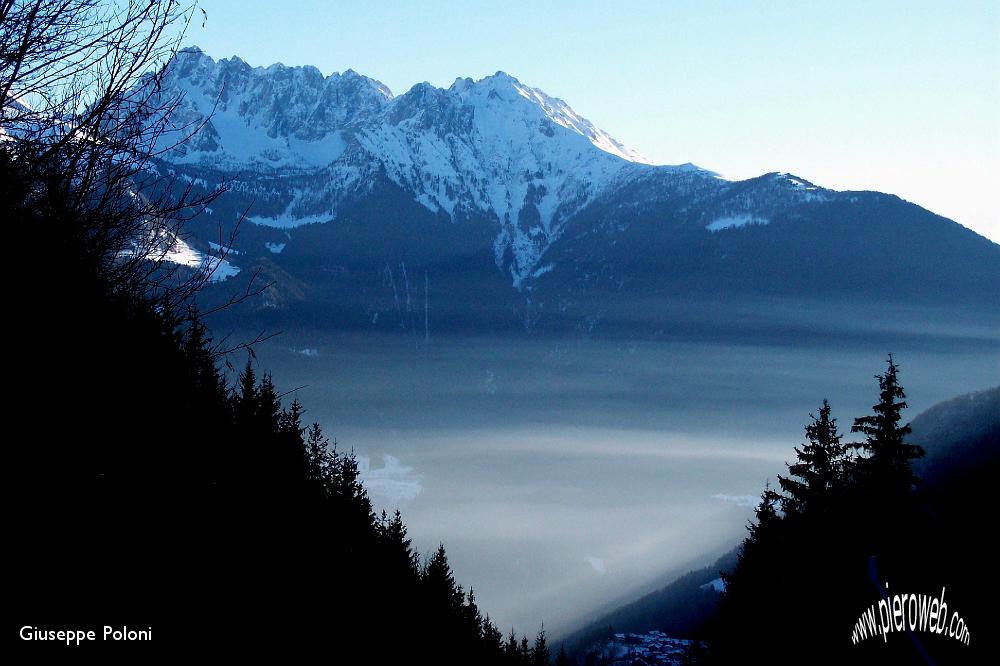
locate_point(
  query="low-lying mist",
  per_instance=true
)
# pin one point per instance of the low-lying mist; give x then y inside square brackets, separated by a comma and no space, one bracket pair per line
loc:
[567,475]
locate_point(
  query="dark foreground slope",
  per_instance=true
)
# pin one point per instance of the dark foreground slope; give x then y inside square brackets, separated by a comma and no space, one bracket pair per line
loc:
[146,493]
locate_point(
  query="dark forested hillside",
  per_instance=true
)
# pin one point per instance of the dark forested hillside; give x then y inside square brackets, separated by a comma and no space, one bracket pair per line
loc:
[146,490]
[836,525]
[852,525]
[960,434]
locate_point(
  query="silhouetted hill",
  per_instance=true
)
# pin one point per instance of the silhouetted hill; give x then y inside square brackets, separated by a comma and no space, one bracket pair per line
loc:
[961,437]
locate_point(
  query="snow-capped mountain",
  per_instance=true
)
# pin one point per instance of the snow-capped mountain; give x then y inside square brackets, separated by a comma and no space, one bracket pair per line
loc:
[493,147]
[502,199]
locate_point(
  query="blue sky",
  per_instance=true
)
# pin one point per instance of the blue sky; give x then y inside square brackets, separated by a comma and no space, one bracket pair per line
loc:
[902,97]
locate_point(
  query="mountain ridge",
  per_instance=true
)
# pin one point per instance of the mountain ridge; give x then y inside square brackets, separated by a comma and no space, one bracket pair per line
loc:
[488,147]
[493,181]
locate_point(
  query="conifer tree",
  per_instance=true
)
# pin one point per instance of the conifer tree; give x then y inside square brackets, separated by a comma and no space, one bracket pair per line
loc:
[290,420]
[510,649]
[766,515]
[886,467]
[246,395]
[393,536]
[524,650]
[834,513]
[439,582]
[818,473]
[540,654]
[492,640]
[321,467]
[268,405]
[471,617]
[352,491]
[753,587]
[197,346]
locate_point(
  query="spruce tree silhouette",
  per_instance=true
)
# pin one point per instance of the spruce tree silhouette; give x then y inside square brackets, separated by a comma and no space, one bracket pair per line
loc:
[801,575]
[886,467]
[510,648]
[816,478]
[540,653]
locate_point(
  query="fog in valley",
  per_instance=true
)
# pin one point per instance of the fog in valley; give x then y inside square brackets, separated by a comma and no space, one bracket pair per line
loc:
[566,475]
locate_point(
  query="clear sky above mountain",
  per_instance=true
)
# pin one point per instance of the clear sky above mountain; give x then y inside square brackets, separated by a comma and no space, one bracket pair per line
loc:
[902,97]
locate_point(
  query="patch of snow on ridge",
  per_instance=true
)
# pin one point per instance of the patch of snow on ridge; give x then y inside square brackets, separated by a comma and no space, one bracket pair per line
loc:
[797,182]
[183,254]
[736,221]
[288,221]
[220,269]
[222,249]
